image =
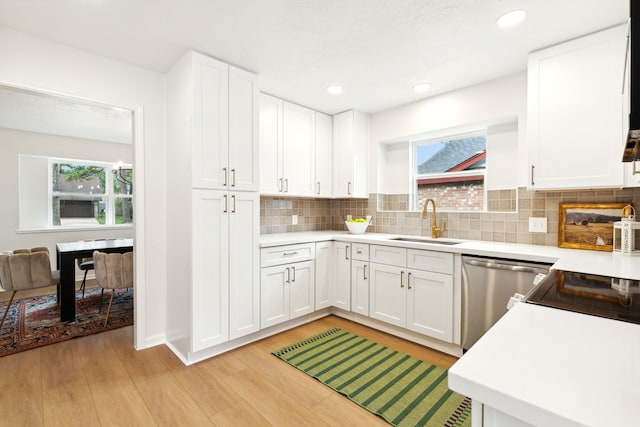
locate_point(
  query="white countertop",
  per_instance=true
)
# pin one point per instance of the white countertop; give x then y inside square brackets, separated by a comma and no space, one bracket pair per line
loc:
[584,261]
[552,367]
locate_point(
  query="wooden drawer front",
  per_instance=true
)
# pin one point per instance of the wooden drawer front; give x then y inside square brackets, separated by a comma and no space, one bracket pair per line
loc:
[388,255]
[360,251]
[438,262]
[278,255]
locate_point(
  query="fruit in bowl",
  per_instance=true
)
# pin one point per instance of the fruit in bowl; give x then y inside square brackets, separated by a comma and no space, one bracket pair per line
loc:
[357,225]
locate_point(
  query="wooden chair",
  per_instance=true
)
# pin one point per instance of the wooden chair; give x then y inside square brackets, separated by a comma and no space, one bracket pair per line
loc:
[26,269]
[113,271]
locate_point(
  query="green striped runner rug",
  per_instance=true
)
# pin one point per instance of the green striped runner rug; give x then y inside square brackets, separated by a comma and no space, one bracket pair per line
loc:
[403,390]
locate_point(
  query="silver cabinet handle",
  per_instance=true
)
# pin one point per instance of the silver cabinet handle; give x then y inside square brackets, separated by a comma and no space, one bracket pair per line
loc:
[349,188]
[533,168]
[346,252]
[286,185]
[288,276]
[233,199]
[318,187]
[365,272]
[401,277]
[280,185]
[358,251]
[233,177]
[289,253]
[224,172]
[225,204]
[293,269]
[409,280]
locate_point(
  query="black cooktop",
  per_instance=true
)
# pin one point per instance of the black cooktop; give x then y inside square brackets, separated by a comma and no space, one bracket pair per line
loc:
[589,294]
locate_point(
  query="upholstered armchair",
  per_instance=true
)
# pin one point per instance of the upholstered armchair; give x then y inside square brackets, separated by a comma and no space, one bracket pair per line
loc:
[26,269]
[113,271]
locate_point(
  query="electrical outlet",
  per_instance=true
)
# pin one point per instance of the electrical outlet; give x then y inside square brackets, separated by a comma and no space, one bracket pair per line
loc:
[294,220]
[537,225]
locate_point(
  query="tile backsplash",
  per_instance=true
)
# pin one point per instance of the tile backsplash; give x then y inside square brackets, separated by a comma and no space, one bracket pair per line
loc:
[507,219]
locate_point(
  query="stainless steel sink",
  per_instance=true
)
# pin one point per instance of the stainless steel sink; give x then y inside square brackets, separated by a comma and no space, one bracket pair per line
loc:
[418,240]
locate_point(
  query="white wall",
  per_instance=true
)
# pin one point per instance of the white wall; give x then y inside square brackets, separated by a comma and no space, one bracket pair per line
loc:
[495,102]
[36,63]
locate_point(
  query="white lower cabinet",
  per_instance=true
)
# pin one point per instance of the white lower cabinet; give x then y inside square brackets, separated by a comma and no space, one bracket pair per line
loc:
[412,298]
[324,273]
[287,288]
[430,304]
[341,275]
[360,287]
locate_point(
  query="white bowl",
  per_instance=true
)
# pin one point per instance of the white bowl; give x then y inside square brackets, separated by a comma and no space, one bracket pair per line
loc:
[357,227]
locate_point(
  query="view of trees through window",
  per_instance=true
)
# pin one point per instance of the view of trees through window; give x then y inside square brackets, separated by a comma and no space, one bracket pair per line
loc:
[84,194]
[451,171]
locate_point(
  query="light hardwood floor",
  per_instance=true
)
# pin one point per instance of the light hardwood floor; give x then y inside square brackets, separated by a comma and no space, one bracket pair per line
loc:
[102,380]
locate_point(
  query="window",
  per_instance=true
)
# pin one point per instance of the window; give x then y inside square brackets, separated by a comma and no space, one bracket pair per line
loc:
[89,193]
[451,171]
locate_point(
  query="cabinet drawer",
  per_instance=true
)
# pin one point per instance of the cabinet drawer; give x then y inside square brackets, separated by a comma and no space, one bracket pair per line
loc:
[388,255]
[277,255]
[360,251]
[438,262]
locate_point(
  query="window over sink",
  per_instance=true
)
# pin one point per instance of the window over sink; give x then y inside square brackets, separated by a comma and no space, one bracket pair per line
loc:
[450,170]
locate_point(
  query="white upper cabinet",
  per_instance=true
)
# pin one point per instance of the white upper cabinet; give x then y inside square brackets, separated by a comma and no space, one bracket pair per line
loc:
[210,121]
[350,154]
[324,150]
[270,144]
[224,115]
[244,159]
[298,150]
[575,113]
[287,144]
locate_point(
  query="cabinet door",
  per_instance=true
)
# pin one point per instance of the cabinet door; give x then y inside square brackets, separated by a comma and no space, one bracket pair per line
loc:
[360,287]
[274,295]
[301,289]
[270,144]
[350,154]
[575,120]
[244,262]
[324,273]
[210,269]
[387,294]
[343,154]
[430,304]
[210,122]
[244,157]
[323,143]
[298,150]
[342,275]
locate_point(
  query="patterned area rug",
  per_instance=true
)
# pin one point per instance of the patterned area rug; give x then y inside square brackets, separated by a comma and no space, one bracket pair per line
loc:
[404,390]
[34,322]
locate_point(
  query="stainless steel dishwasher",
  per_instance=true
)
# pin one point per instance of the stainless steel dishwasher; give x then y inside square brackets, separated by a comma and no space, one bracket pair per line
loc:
[487,285]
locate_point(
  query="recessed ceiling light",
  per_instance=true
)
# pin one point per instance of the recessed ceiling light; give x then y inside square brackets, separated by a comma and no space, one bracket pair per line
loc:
[422,87]
[511,19]
[334,90]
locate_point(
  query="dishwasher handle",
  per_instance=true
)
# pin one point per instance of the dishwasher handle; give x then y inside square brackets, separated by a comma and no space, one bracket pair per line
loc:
[498,266]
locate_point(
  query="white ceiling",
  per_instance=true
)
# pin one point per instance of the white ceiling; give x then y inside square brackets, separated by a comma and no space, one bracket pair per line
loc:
[377,49]
[59,115]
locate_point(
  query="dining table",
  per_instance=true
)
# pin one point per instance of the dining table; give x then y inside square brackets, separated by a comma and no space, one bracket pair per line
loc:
[66,254]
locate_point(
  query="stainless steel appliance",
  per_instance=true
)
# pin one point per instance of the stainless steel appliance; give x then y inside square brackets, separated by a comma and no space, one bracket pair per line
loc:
[487,286]
[602,296]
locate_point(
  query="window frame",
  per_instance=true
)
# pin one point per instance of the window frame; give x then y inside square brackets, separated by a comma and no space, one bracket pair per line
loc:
[445,176]
[109,195]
